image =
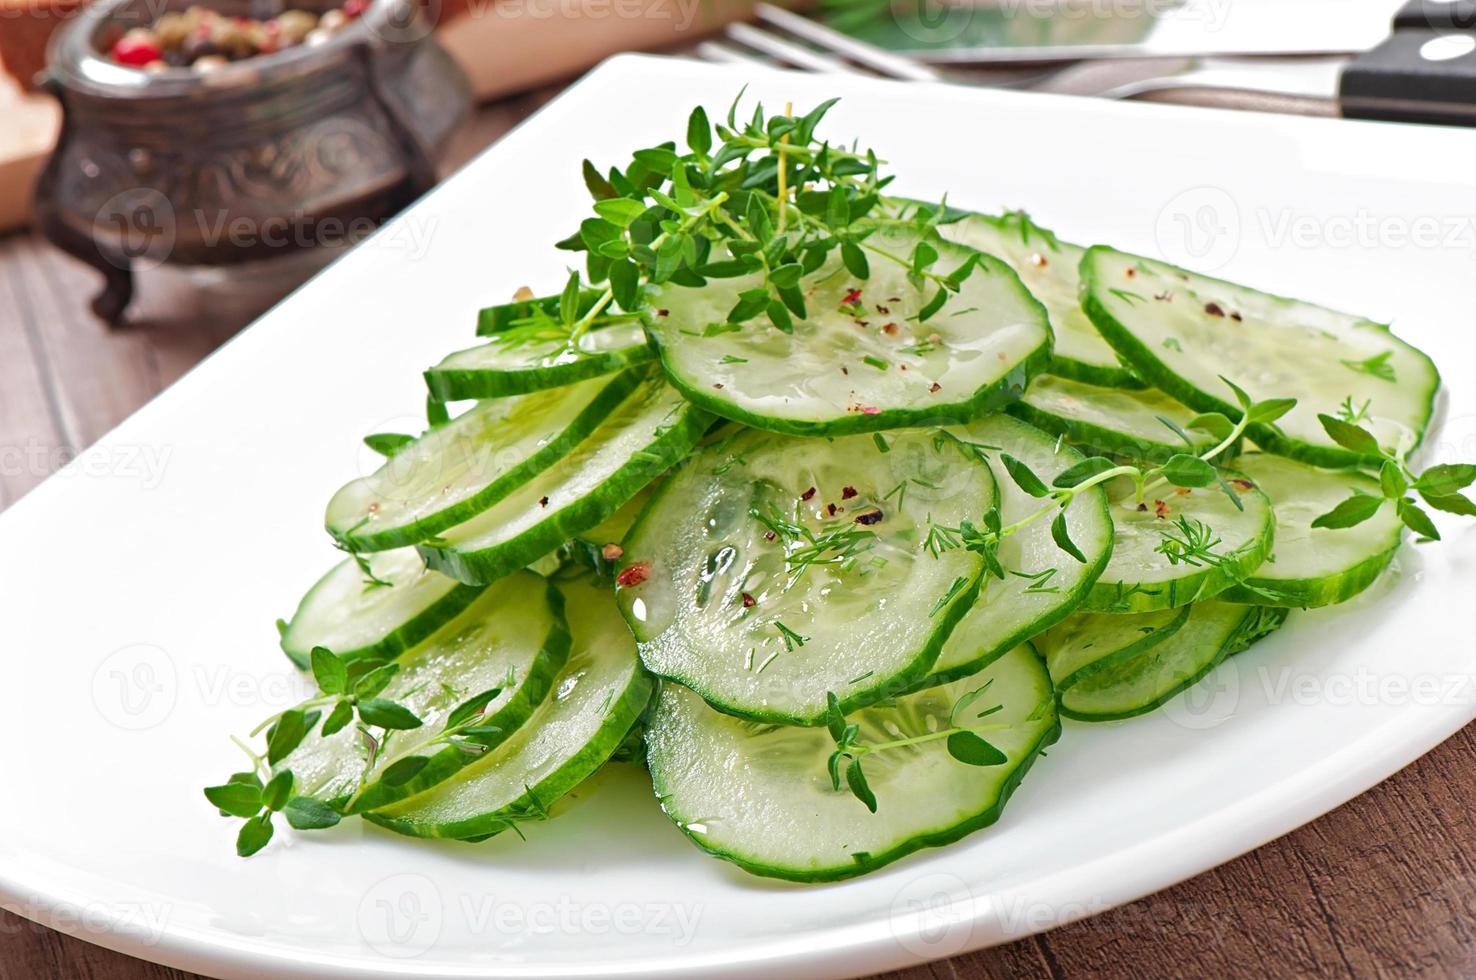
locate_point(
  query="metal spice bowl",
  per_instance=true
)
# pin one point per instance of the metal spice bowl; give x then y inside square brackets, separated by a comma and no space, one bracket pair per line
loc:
[257,159]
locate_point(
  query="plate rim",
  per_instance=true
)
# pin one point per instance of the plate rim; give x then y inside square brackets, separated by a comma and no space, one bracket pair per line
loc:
[873,944]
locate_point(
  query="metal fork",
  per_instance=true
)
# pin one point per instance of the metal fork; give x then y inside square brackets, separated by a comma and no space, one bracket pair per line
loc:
[790,40]
[799,42]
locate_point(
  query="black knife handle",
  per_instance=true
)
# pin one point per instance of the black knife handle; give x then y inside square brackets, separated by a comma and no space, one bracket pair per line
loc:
[1414,76]
[1432,15]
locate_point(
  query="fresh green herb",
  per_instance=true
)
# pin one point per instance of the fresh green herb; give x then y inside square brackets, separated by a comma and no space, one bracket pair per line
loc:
[1183,469]
[942,538]
[790,637]
[1440,487]
[1190,542]
[346,690]
[1024,477]
[962,739]
[804,549]
[1029,231]
[968,450]
[1377,366]
[900,492]
[1353,415]
[371,581]
[765,198]
[1178,430]
[959,584]
[1061,534]
[387,444]
[1039,581]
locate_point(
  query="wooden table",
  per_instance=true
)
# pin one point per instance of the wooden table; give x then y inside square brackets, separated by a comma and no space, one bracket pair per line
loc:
[1384,886]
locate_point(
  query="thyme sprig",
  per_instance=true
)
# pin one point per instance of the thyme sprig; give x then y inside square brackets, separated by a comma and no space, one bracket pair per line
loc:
[1188,470]
[550,321]
[346,693]
[1440,486]
[962,736]
[764,198]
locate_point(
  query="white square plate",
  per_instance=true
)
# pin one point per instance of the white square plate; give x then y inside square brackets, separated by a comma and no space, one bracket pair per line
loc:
[139,586]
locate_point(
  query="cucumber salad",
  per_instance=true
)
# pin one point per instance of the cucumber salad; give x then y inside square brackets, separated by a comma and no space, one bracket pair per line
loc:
[825,507]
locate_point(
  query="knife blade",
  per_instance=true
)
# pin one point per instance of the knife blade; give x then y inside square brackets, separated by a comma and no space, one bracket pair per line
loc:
[1417,74]
[1437,15]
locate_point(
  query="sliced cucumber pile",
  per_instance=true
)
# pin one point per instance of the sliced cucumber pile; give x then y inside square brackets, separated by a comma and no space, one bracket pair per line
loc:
[596,700]
[651,430]
[826,507]
[512,640]
[1048,267]
[1183,332]
[863,359]
[375,611]
[1044,585]
[1149,675]
[759,795]
[1181,545]
[457,470]
[772,571]
[1315,566]
[1111,421]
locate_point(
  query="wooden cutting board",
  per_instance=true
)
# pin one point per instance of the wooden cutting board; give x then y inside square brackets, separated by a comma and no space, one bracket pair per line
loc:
[26,136]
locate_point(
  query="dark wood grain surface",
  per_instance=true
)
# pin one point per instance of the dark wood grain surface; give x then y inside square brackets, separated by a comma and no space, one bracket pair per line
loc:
[1384,886]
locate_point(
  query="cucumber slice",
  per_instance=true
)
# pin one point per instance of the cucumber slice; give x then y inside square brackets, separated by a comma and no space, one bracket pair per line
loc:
[514,364]
[598,697]
[760,795]
[1182,331]
[541,311]
[1135,686]
[1089,643]
[648,433]
[860,361]
[1010,611]
[349,614]
[1048,267]
[513,638]
[1315,566]
[456,471]
[755,578]
[1110,421]
[1145,575]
